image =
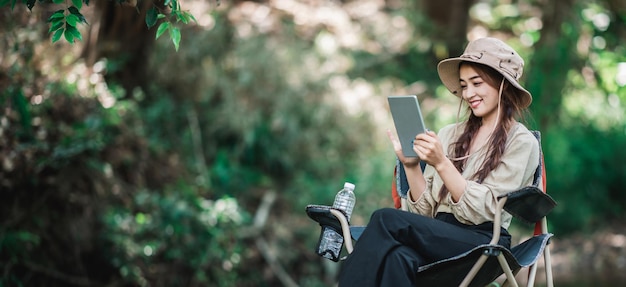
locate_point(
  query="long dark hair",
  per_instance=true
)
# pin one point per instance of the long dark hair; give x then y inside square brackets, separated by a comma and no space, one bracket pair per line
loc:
[510,108]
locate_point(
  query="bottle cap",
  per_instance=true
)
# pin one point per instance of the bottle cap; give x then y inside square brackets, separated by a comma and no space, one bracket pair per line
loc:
[348,185]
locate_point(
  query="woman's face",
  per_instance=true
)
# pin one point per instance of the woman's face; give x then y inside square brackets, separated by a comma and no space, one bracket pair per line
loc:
[481,97]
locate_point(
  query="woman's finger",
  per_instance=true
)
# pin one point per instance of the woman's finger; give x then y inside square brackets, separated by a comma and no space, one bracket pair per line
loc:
[395,142]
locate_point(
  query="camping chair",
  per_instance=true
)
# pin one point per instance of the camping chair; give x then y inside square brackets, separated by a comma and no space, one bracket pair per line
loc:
[484,263]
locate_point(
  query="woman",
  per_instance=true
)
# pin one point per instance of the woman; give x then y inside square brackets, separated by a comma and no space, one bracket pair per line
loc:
[469,164]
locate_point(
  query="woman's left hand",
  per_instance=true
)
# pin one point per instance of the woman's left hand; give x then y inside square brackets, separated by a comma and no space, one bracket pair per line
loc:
[397,148]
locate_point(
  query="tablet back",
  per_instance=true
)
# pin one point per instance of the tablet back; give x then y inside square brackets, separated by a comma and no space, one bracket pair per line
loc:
[408,120]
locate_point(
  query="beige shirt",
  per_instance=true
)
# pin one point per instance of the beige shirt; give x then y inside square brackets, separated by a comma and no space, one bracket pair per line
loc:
[478,203]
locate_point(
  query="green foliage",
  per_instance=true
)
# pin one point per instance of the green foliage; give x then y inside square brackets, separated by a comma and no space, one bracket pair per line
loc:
[176,15]
[63,22]
[254,124]
[167,195]
[20,104]
[178,231]
[585,174]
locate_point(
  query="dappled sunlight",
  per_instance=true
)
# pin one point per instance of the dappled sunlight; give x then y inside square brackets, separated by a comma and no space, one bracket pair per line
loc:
[620,76]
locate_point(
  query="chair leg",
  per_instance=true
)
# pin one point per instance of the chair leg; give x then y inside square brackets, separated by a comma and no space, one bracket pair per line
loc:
[506,280]
[546,255]
[510,277]
[470,275]
[532,273]
[548,267]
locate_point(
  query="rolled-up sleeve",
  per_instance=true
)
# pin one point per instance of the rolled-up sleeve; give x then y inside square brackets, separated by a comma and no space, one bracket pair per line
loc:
[423,205]
[518,164]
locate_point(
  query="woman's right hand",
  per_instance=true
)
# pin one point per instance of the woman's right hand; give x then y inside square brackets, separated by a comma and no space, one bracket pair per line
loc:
[397,148]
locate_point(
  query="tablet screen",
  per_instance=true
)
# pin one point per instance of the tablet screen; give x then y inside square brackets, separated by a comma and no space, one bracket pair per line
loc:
[408,120]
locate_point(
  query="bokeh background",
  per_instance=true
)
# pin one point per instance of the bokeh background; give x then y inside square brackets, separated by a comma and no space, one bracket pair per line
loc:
[126,162]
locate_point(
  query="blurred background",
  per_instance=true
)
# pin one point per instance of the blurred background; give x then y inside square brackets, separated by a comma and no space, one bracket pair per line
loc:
[127,162]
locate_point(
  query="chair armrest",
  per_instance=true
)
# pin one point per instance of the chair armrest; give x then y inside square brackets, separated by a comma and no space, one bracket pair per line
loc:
[497,221]
[333,218]
[529,204]
[322,215]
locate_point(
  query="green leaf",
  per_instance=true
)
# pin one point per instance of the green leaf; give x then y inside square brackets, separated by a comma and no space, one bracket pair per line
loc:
[75,33]
[55,26]
[57,15]
[190,16]
[69,37]
[180,17]
[76,12]
[162,28]
[151,17]
[78,3]
[185,17]
[58,1]
[175,35]
[57,35]
[72,19]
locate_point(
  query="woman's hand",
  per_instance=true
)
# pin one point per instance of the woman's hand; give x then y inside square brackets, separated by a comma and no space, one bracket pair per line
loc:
[397,148]
[414,175]
[428,148]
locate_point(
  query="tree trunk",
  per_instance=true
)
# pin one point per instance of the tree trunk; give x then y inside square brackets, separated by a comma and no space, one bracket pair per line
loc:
[450,18]
[119,34]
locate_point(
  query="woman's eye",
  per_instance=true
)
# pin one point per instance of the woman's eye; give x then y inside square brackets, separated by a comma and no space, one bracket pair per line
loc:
[476,84]
[463,87]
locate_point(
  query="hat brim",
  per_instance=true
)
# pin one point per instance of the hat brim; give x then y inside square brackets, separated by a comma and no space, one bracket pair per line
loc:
[448,70]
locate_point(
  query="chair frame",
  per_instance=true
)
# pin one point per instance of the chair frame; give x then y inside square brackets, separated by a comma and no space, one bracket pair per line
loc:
[536,195]
[492,249]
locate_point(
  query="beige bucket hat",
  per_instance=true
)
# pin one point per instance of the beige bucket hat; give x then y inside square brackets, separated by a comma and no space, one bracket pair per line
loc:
[487,51]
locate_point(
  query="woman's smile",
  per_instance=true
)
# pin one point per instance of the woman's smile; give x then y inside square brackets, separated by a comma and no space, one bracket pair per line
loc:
[474,104]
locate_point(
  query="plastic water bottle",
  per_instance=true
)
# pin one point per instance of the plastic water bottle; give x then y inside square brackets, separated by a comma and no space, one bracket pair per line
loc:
[331,242]
[345,199]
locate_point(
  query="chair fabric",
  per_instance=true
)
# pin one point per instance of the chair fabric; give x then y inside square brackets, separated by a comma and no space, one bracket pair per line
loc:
[451,271]
[529,204]
[321,214]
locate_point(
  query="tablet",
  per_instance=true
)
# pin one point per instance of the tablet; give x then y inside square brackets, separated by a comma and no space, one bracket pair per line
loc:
[408,120]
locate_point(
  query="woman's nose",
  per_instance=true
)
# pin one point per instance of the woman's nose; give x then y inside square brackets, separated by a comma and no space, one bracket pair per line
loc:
[468,92]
